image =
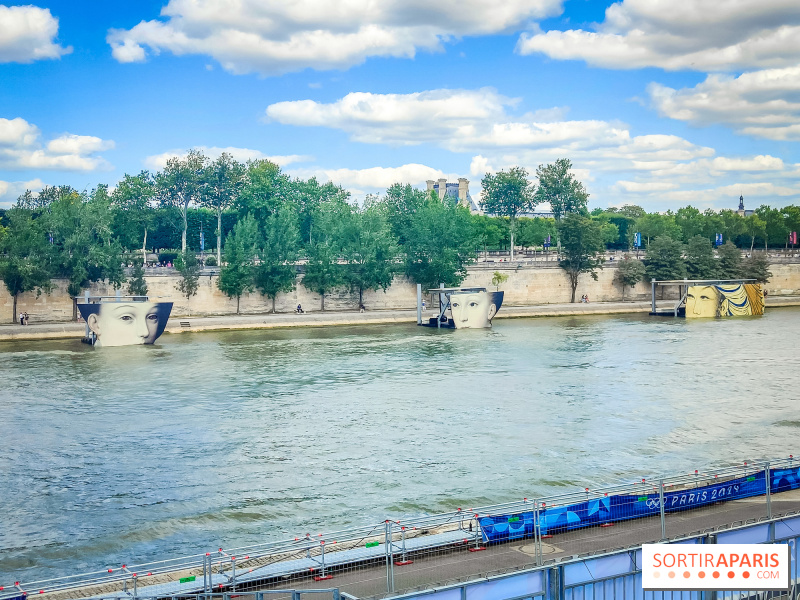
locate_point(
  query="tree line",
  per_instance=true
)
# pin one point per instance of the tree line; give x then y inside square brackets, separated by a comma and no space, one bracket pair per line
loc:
[267,226]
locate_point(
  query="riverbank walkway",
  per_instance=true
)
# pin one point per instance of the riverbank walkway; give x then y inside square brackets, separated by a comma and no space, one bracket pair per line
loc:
[449,561]
[184,324]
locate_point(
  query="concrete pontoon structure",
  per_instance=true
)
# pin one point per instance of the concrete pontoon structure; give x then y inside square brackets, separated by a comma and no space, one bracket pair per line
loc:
[467,307]
[683,285]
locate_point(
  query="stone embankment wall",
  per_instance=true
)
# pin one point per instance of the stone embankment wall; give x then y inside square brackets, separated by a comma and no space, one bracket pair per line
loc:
[528,284]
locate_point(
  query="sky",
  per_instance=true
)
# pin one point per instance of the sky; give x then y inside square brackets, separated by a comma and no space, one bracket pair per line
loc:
[657,103]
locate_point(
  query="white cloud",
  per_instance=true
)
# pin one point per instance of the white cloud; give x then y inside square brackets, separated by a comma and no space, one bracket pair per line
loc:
[27,33]
[11,190]
[703,35]
[650,186]
[477,121]
[272,37]
[380,178]
[763,103]
[21,148]
[159,161]
[78,144]
[616,165]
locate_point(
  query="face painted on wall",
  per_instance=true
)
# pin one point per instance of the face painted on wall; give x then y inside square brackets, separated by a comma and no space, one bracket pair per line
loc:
[124,323]
[473,310]
[702,301]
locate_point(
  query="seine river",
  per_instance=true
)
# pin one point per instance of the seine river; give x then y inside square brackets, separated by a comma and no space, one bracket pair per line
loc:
[123,455]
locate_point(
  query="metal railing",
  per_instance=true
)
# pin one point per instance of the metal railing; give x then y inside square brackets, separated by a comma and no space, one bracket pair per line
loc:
[396,555]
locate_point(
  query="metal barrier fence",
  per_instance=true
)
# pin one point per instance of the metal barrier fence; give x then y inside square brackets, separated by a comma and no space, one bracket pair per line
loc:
[416,553]
[618,575]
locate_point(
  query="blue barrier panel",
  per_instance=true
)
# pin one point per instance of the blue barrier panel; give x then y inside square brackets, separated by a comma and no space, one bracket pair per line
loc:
[787,528]
[519,586]
[598,511]
[784,480]
[757,534]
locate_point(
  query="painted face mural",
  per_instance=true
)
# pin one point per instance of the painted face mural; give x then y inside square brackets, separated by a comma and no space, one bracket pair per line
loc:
[475,310]
[724,300]
[126,323]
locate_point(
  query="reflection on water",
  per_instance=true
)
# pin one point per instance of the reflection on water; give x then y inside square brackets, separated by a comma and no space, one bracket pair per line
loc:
[133,453]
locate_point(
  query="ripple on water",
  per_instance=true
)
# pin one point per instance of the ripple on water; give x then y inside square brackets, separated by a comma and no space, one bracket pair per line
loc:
[232,438]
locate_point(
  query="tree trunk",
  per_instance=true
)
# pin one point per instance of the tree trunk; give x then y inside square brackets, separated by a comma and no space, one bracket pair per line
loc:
[74,309]
[144,248]
[623,292]
[185,226]
[14,310]
[573,282]
[219,243]
[273,304]
[512,244]
[237,304]
[322,297]
[752,243]
[360,297]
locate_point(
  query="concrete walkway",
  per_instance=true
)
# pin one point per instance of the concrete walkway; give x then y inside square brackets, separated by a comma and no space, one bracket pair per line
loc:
[72,330]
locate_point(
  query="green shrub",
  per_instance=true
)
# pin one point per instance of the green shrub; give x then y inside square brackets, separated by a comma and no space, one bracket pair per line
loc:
[211,261]
[168,256]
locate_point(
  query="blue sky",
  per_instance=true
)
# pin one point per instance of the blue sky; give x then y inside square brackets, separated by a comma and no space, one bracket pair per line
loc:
[656,103]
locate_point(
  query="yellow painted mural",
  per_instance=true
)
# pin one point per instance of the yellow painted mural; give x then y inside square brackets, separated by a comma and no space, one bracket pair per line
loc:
[724,300]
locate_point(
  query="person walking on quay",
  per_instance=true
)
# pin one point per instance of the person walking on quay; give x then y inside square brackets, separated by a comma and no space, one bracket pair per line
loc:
[22,318]
[25,314]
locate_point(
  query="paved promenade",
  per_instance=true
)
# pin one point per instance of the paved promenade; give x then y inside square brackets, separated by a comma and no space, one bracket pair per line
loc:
[73,330]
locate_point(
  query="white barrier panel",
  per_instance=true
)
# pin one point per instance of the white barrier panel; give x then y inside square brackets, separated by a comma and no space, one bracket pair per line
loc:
[715,567]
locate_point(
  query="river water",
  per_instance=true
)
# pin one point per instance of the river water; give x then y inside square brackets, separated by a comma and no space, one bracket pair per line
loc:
[122,455]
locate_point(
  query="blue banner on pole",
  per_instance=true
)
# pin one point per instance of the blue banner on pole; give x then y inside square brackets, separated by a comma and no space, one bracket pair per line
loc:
[202,241]
[718,240]
[637,240]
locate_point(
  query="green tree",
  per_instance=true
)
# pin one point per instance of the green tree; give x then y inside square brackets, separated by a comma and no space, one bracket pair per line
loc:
[220,185]
[85,249]
[489,231]
[179,185]
[755,226]
[498,278]
[608,229]
[402,203]
[137,286]
[653,225]
[134,215]
[756,266]
[582,246]
[560,188]
[534,232]
[774,224]
[275,272]
[25,256]
[316,202]
[732,224]
[664,259]
[241,250]
[729,262]
[188,268]
[323,272]
[629,272]
[370,250]
[264,191]
[700,261]
[690,221]
[440,245]
[507,194]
